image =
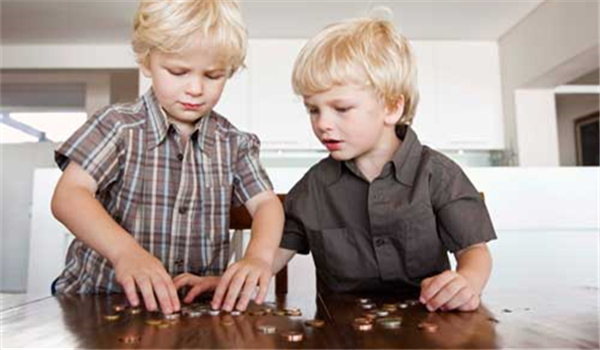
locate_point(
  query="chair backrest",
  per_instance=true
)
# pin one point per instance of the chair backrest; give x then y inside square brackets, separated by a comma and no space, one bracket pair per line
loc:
[240,219]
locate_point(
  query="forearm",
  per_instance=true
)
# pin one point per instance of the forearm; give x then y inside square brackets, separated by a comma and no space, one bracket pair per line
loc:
[85,217]
[267,228]
[282,257]
[475,264]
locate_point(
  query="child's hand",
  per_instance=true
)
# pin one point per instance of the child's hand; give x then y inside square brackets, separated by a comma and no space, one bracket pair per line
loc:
[246,273]
[140,268]
[199,284]
[448,291]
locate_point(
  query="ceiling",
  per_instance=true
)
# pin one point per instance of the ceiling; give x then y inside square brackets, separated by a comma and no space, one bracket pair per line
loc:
[110,21]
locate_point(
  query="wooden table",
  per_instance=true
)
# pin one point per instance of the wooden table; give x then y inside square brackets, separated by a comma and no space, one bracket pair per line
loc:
[525,319]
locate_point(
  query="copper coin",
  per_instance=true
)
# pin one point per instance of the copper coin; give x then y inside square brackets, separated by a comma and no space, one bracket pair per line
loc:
[130,339]
[316,323]
[112,317]
[428,327]
[135,310]
[153,322]
[293,336]
[119,308]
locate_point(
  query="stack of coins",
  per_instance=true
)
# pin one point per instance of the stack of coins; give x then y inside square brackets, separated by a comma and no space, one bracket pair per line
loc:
[362,324]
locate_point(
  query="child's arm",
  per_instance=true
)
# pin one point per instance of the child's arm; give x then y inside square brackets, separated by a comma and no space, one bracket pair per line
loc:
[255,268]
[75,205]
[459,290]
[282,257]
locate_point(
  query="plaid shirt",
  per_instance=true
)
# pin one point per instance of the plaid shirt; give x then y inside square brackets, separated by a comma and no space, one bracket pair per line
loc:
[175,201]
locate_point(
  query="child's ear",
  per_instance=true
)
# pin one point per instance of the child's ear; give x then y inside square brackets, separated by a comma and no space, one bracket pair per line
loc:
[395,112]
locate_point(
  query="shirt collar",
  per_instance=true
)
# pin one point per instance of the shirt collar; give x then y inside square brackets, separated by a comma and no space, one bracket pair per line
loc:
[405,160]
[158,126]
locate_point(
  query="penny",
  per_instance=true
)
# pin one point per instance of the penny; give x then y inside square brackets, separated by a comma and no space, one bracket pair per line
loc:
[293,336]
[267,329]
[316,323]
[130,339]
[153,322]
[428,327]
[112,317]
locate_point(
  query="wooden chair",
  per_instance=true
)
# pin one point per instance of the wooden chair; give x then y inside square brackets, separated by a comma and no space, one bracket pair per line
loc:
[240,219]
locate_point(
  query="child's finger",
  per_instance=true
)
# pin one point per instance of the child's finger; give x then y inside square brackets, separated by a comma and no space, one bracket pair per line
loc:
[460,298]
[444,295]
[195,291]
[160,290]
[172,292]
[471,305]
[234,290]
[248,290]
[129,289]
[145,288]
[181,280]
[437,283]
[263,288]
[222,287]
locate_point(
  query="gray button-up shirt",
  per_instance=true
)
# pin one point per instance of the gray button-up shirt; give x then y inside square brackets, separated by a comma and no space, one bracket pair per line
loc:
[387,235]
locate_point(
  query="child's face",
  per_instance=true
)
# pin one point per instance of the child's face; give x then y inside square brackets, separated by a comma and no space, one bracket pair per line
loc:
[350,120]
[187,84]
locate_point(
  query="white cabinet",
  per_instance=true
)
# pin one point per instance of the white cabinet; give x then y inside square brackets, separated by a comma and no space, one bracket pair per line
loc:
[468,93]
[277,115]
[460,96]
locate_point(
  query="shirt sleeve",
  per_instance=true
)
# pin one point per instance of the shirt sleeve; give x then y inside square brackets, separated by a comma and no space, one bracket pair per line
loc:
[95,146]
[250,177]
[462,217]
[294,233]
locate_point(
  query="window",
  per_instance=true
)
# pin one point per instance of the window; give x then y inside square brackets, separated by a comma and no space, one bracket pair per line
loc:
[19,127]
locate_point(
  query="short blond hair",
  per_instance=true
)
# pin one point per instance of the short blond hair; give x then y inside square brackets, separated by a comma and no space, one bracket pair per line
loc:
[365,50]
[171,26]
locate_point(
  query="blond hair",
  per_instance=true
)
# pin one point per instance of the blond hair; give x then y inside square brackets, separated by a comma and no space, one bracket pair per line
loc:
[170,26]
[366,50]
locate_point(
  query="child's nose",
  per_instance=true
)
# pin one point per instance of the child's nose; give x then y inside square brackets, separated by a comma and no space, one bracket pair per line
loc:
[195,87]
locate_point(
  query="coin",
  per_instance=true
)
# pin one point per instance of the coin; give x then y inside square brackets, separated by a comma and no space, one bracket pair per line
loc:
[119,307]
[293,336]
[235,313]
[194,313]
[412,302]
[428,327]
[316,323]
[390,307]
[112,317]
[214,312]
[368,306]
[256,313]
[135,310]
[390,322]
[364,301]
[363,326]
[153,322]
[130,339]
[403,305]
[280,312]
[173,316]
[382,313]
[163,325]
[267,329]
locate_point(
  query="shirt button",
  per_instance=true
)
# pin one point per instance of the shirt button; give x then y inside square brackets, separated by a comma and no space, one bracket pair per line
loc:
[182,210]
[180,157]
[179,263]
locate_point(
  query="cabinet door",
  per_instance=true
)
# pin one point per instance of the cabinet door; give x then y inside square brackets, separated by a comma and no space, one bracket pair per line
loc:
[468,94]
[278,116]
[425,122]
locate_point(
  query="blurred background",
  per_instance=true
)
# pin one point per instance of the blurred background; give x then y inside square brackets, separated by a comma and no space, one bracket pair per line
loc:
[509,90]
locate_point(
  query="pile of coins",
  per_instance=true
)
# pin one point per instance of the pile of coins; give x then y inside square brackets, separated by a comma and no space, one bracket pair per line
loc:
[383,317]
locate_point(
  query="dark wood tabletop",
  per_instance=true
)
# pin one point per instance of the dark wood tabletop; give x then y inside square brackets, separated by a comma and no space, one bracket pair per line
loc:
[525,319]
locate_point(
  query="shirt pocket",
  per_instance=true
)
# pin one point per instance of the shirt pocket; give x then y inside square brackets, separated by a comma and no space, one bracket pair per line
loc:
[341,253]
[424,255]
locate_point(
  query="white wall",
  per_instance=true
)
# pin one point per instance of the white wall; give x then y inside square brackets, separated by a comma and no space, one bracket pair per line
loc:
[556,43]
[569,108]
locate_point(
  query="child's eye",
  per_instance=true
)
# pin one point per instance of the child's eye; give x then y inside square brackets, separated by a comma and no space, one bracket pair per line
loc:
[215,76]
[312,111]
[342,109]
[176,72]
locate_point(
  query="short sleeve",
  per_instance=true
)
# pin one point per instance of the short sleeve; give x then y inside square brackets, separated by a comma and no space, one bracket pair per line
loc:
[95,147]
[462,217]
[250,177]
[294,233]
